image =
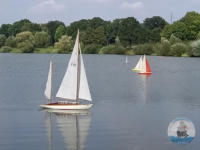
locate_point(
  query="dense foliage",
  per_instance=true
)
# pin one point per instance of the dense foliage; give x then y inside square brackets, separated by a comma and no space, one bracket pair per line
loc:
[121,36]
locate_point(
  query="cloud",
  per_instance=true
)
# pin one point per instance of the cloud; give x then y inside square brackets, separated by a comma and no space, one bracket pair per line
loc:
[47,7]
[133,5]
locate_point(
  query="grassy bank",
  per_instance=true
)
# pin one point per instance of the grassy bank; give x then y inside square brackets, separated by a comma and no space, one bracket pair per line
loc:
[171,47]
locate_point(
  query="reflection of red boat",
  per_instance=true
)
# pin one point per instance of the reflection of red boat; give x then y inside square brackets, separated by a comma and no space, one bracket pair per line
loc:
[145,69]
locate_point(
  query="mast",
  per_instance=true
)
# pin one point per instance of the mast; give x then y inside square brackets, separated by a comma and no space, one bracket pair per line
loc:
[51,96]
[78,70]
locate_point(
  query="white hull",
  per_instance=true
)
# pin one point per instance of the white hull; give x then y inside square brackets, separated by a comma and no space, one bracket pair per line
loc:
[67,107]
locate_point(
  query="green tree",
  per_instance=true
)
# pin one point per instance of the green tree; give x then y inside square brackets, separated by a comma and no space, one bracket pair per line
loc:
[60,31]
[112,49]
[82,25]
[192,21]
[2,40]
[10,41]
[64,45]
[128,30]
[173,39]
[17,26]
[100,37]
[198,36]
[142,35]
[5,49]
[142,49]
[5,29]
[50,28]
[196,48]
[109,32]
[96,22]
[32,27]
[155,22]
[154,35]
[178,49]
[178,29]
[42,39]
[94,36]
[92,49]
[162,48]
[25,41]
[113,30]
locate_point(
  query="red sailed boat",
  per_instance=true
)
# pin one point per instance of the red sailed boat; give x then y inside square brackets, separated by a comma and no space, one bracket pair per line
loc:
[145,68]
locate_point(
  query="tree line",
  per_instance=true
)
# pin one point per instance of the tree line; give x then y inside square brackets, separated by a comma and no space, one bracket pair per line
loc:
[155,36]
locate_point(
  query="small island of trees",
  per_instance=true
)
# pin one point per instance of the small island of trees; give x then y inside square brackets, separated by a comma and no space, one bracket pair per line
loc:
[121,36]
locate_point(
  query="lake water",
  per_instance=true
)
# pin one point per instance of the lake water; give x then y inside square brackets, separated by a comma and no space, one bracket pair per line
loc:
[130,111]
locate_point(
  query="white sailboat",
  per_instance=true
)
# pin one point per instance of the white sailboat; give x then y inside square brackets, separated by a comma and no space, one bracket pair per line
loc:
[74,85]
[138,67]
[145,67]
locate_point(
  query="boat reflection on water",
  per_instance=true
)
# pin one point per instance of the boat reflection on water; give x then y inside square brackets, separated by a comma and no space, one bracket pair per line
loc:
[73,124]
[144,80]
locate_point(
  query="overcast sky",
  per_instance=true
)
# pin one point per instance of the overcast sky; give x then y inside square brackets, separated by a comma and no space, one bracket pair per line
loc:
[42,11]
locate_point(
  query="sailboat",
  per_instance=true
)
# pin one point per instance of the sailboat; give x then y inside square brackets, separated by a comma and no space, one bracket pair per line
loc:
[73,124]
[74,85]
[145,67]
[139,65]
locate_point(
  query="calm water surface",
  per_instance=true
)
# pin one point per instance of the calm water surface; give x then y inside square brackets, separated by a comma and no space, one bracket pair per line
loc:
[130,112]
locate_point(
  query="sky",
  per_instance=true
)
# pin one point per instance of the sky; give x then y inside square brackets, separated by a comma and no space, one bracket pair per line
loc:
[67,11]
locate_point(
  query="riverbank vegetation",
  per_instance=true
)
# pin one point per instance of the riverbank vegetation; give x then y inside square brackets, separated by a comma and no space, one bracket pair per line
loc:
[121,36]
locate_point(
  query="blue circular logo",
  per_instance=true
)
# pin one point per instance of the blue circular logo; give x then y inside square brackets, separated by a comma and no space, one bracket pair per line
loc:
[181,131]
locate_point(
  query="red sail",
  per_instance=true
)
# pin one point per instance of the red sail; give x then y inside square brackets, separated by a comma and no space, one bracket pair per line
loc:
[148,68]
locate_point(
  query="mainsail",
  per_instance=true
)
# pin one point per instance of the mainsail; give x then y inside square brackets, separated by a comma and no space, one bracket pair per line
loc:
[74,84]
[48,92]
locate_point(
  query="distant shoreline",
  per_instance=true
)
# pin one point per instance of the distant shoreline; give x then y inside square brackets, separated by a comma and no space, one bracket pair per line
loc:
[42,52]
